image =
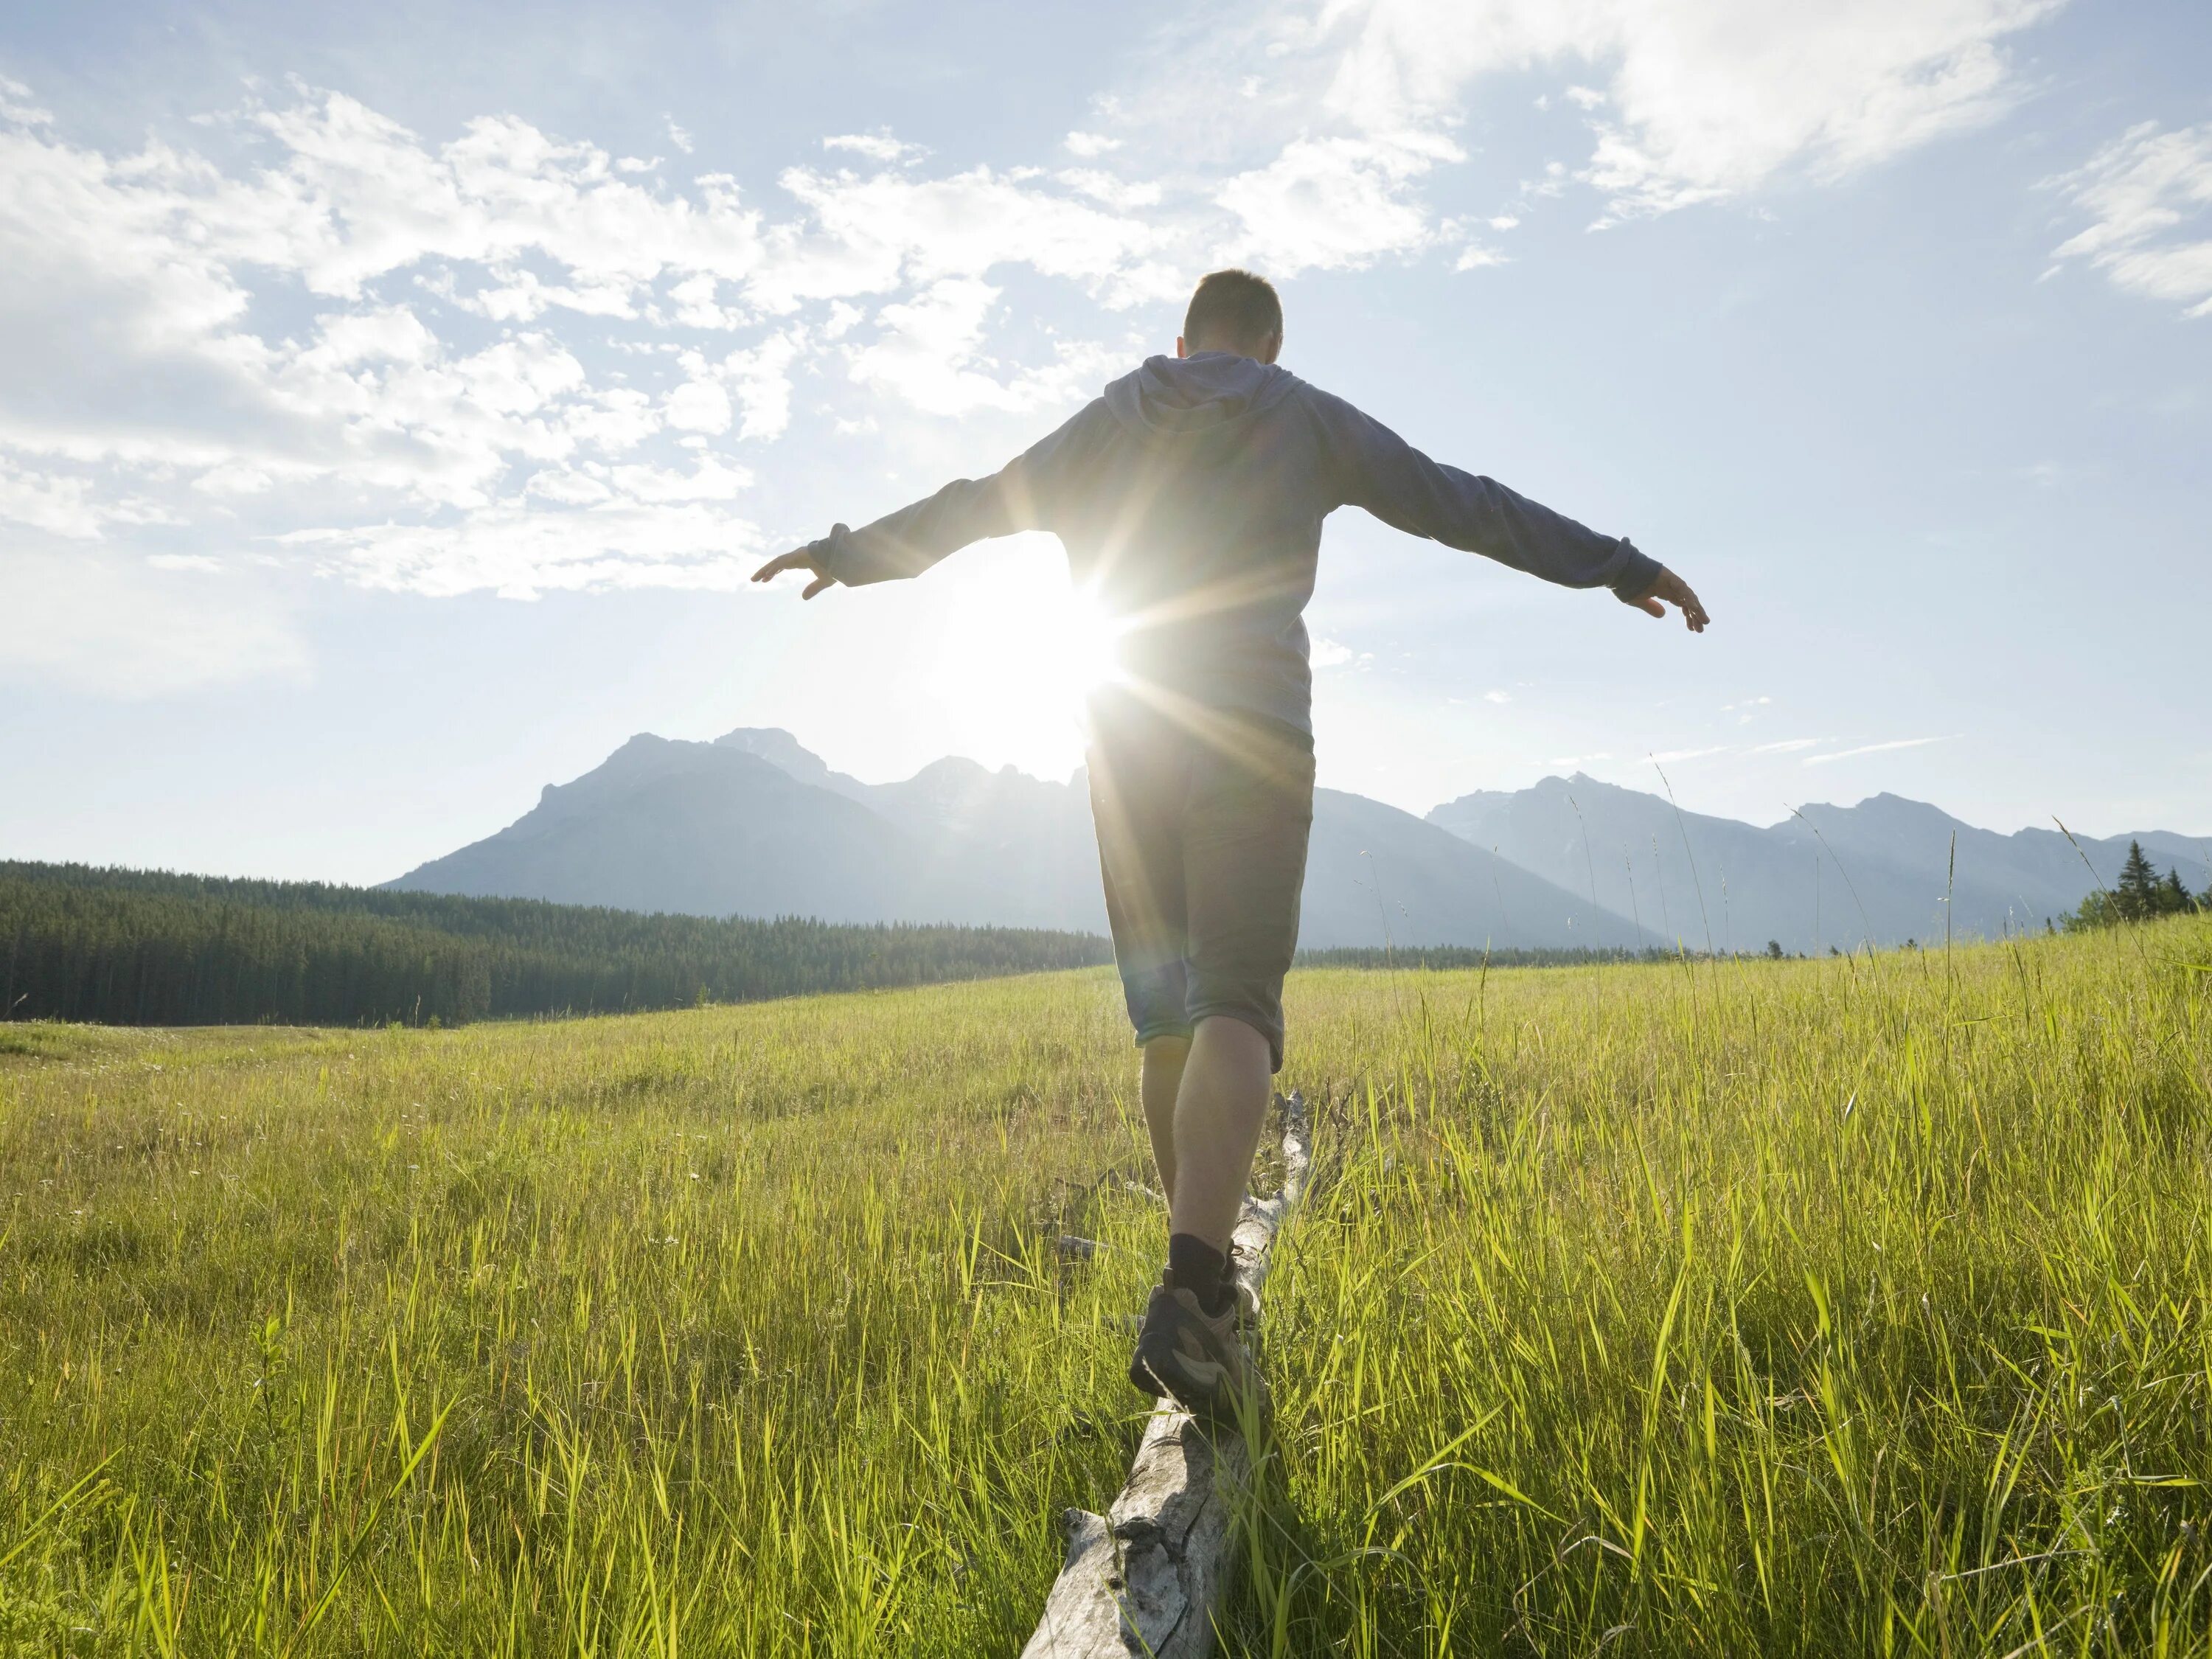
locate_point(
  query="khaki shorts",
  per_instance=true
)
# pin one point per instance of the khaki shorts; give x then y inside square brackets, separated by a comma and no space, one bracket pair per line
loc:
[1203,818]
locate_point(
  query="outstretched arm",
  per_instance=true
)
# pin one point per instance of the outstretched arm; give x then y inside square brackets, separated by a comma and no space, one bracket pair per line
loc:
[1400,485]
[906,543]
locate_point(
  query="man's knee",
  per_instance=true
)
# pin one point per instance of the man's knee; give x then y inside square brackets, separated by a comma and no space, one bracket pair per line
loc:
[1245,1032]
[1168,1046]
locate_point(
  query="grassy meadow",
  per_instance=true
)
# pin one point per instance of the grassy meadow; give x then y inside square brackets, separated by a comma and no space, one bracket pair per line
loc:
[1836,1307]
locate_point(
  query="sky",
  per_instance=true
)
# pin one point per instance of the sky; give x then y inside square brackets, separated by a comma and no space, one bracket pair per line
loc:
[394,401]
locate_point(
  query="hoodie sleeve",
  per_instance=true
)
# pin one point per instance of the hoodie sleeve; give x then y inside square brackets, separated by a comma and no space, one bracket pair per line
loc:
[1028,492]
[1381,471]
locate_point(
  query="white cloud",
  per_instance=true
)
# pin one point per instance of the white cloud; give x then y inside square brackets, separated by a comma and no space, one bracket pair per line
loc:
[60,504]
[1876,748]
[930,354]
[697,303]
[657,539]
[1786,746]
[387,334]
[876,147]
[1115,194]
[1329,654]
[2149,194]
[486,360]
[15,105]
[354,422]
[710,480]
[869,233]
[761,376]
[1498,697]
[1334,203]
[700,405]
[1708,99]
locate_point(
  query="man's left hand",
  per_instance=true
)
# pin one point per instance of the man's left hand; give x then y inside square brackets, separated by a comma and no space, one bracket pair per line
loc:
[803,559]
[1670,589]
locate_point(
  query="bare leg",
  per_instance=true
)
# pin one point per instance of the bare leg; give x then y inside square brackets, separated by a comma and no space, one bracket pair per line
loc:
[1163,1062]
[1220,1112]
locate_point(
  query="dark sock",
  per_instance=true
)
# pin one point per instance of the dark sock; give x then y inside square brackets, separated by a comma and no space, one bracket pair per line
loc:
[1200,1269]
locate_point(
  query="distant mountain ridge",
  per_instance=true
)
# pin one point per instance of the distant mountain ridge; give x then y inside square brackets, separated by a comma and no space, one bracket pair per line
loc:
[1826,876]
[755,824]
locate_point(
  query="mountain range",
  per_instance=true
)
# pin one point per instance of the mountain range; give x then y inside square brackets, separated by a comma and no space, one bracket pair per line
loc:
[1887,870]
[754,824]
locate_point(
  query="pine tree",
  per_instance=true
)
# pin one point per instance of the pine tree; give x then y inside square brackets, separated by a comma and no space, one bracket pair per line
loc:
[2137,892]
[2172,897]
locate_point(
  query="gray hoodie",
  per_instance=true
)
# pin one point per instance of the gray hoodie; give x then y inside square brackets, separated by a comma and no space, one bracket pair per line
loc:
[1190,499]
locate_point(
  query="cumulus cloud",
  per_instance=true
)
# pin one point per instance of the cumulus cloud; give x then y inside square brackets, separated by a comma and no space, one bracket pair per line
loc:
[876,146]
[1707,99]
[508,359]
[700,405]
[1335,202]
[652,536]
[929,353]
[2148,194]
[870,234]
[1117,193]
[761,376]
[58,503]
[290,339]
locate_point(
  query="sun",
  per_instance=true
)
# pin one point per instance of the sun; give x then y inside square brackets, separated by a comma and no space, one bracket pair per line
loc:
[1051,636]
[1019,649]
[1091,638]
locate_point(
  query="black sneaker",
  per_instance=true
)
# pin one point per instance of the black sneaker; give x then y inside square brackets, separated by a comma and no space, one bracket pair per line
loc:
[1248,1324]
[1194,1357]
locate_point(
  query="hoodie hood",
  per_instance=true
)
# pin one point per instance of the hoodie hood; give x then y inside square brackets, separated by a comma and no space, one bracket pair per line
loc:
[1212,393]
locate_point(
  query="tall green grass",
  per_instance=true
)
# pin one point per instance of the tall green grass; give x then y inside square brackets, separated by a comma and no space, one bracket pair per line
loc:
[1836,1307]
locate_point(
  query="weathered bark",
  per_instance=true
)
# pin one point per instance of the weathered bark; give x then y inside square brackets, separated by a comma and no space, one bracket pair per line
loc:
[1150,1576]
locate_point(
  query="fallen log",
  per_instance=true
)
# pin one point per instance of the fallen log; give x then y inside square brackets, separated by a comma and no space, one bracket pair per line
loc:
[1151,1574]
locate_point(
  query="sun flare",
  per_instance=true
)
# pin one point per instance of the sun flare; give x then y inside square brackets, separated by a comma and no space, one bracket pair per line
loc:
[1020,650]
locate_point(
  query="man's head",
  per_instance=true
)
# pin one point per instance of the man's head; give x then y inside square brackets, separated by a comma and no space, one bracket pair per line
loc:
[1233,311]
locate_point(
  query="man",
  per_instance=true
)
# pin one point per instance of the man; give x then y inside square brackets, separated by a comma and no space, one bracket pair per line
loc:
[1190,499]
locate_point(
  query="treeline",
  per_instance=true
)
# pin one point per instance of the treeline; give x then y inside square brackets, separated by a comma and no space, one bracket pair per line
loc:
[136,947]
[2140,894]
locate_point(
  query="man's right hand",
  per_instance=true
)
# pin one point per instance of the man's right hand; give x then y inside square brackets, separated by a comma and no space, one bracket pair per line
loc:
[1670,589]
[804,559]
